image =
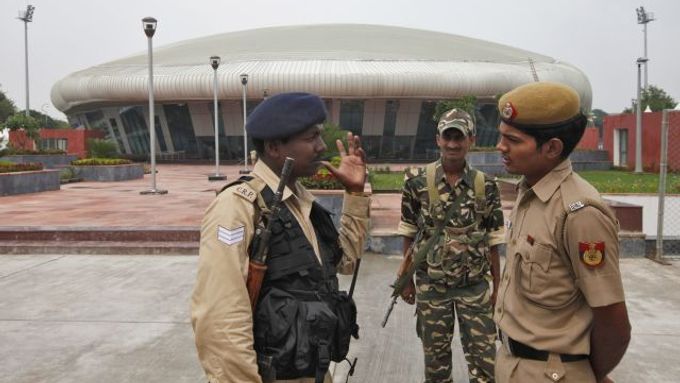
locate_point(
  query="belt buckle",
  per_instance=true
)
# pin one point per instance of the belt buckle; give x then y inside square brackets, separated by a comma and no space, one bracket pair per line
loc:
[506,342]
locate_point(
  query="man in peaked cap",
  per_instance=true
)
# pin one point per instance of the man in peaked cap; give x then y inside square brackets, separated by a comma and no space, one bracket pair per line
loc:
[461,207]
[277,342]
[560,310]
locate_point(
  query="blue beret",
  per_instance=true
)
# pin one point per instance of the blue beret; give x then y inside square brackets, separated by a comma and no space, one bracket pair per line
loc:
[284,115]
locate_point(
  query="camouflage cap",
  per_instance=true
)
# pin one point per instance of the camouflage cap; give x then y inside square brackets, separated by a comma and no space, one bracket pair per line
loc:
[540,105]
[459,119]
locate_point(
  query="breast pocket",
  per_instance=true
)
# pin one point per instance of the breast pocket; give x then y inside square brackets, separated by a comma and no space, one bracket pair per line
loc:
[542,278]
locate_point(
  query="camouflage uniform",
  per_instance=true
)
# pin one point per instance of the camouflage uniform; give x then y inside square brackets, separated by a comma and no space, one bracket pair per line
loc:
[456,276]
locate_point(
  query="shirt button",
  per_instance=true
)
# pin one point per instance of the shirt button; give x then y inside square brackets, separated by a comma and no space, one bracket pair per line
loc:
[555,376]
[514,242]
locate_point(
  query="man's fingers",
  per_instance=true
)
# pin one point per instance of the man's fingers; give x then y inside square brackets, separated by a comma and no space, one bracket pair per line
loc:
[350,143]
[341,147]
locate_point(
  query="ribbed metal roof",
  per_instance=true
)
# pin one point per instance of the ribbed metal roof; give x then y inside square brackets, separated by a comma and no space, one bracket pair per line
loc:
[359,61]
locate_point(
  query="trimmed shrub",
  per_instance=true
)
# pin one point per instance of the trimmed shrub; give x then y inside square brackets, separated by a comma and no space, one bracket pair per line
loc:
[100,148]
[100,162]
[11,167]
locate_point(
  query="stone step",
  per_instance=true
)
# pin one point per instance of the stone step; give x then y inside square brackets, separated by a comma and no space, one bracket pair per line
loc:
[119,234]
[100,247]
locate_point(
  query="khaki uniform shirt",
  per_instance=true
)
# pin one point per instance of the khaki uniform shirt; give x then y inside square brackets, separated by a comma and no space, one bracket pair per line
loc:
[539,302]
[220,308]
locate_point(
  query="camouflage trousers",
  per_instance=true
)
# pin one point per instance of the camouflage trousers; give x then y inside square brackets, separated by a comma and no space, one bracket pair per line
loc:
[436,308]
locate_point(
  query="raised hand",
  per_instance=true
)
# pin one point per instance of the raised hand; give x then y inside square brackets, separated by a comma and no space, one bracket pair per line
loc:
[352,170]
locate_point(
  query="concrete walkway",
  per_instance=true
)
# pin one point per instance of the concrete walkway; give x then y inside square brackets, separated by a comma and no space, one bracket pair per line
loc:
[112,319]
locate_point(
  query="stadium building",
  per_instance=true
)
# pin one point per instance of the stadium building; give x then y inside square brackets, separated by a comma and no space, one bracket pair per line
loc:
[380,82]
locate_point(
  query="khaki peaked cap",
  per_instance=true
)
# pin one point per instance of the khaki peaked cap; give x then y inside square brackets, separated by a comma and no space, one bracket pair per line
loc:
[540,105]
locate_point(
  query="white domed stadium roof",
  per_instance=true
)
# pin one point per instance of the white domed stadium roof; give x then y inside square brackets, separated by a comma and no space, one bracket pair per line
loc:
[334,61]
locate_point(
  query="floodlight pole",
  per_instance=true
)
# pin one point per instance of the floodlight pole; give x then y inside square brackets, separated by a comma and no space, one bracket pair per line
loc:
[149,25]
[215,63]
[27,17]
[644,18]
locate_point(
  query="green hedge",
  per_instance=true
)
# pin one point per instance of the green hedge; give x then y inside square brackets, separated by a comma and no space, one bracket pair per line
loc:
[10,151]
[100,162]
[11,167]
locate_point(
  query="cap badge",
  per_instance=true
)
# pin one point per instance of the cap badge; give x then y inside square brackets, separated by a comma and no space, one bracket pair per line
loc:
[591,253]
[509,112]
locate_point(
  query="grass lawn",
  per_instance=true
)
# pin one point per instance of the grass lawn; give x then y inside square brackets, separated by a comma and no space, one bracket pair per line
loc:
[611,181]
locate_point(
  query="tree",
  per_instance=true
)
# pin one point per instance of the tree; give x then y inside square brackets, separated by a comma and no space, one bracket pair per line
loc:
[48,122]
[7,107]
[466,103]
[19,121]
[656,98]
[598,117]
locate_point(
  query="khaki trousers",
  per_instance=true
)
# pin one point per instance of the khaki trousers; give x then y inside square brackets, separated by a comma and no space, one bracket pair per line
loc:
[510,369]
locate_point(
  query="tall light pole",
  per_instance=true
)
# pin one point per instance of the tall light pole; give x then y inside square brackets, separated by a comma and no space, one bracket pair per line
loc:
[149,25]
[644,17]
[215,63]
[27,17]
[638,119]
[244,82]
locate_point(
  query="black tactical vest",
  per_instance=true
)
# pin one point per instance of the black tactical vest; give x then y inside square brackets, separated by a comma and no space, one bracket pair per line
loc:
[302,320]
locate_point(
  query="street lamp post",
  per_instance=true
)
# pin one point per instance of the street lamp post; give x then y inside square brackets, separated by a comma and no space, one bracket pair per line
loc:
[638,119]
[244,82]
[27,17]
[149,25]
[215,63]
[644,17]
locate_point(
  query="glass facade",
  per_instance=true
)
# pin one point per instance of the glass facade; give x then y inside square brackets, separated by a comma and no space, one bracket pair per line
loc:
[425,144]
[487,120]
[117,134]
[388,144]
[352,115]
[135,129]
[416,142]
[181,129]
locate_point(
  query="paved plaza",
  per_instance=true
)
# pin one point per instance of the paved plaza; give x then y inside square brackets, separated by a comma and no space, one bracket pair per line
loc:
[108,318]
[125,318]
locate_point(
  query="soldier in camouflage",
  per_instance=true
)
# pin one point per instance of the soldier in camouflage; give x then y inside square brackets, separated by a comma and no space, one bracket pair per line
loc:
[456,277]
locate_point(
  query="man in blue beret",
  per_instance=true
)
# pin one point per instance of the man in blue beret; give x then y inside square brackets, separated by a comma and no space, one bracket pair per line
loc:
[278,342]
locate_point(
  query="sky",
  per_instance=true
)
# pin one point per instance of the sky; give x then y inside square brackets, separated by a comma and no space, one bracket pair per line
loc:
[600,37]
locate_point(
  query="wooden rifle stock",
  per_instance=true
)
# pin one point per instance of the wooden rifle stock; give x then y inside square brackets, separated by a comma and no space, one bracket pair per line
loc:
[257,267]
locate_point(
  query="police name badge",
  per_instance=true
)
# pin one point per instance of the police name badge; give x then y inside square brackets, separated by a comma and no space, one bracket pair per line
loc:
[591,253]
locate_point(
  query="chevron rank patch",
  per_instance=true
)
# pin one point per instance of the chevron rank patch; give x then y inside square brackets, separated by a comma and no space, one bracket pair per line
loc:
[230,236]
[591,253]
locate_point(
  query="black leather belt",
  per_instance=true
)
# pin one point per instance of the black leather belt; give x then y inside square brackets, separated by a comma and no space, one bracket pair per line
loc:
[524,351]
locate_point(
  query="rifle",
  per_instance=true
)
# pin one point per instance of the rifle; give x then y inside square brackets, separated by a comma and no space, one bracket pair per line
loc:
[402,279]
[416,259]
[258,257]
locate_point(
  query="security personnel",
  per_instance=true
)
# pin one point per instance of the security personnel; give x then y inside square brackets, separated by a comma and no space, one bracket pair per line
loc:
[465,204]
[560,310]
[304,253]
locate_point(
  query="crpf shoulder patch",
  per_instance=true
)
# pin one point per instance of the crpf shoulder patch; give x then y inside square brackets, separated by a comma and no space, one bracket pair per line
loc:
[245,191]
[591,253]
